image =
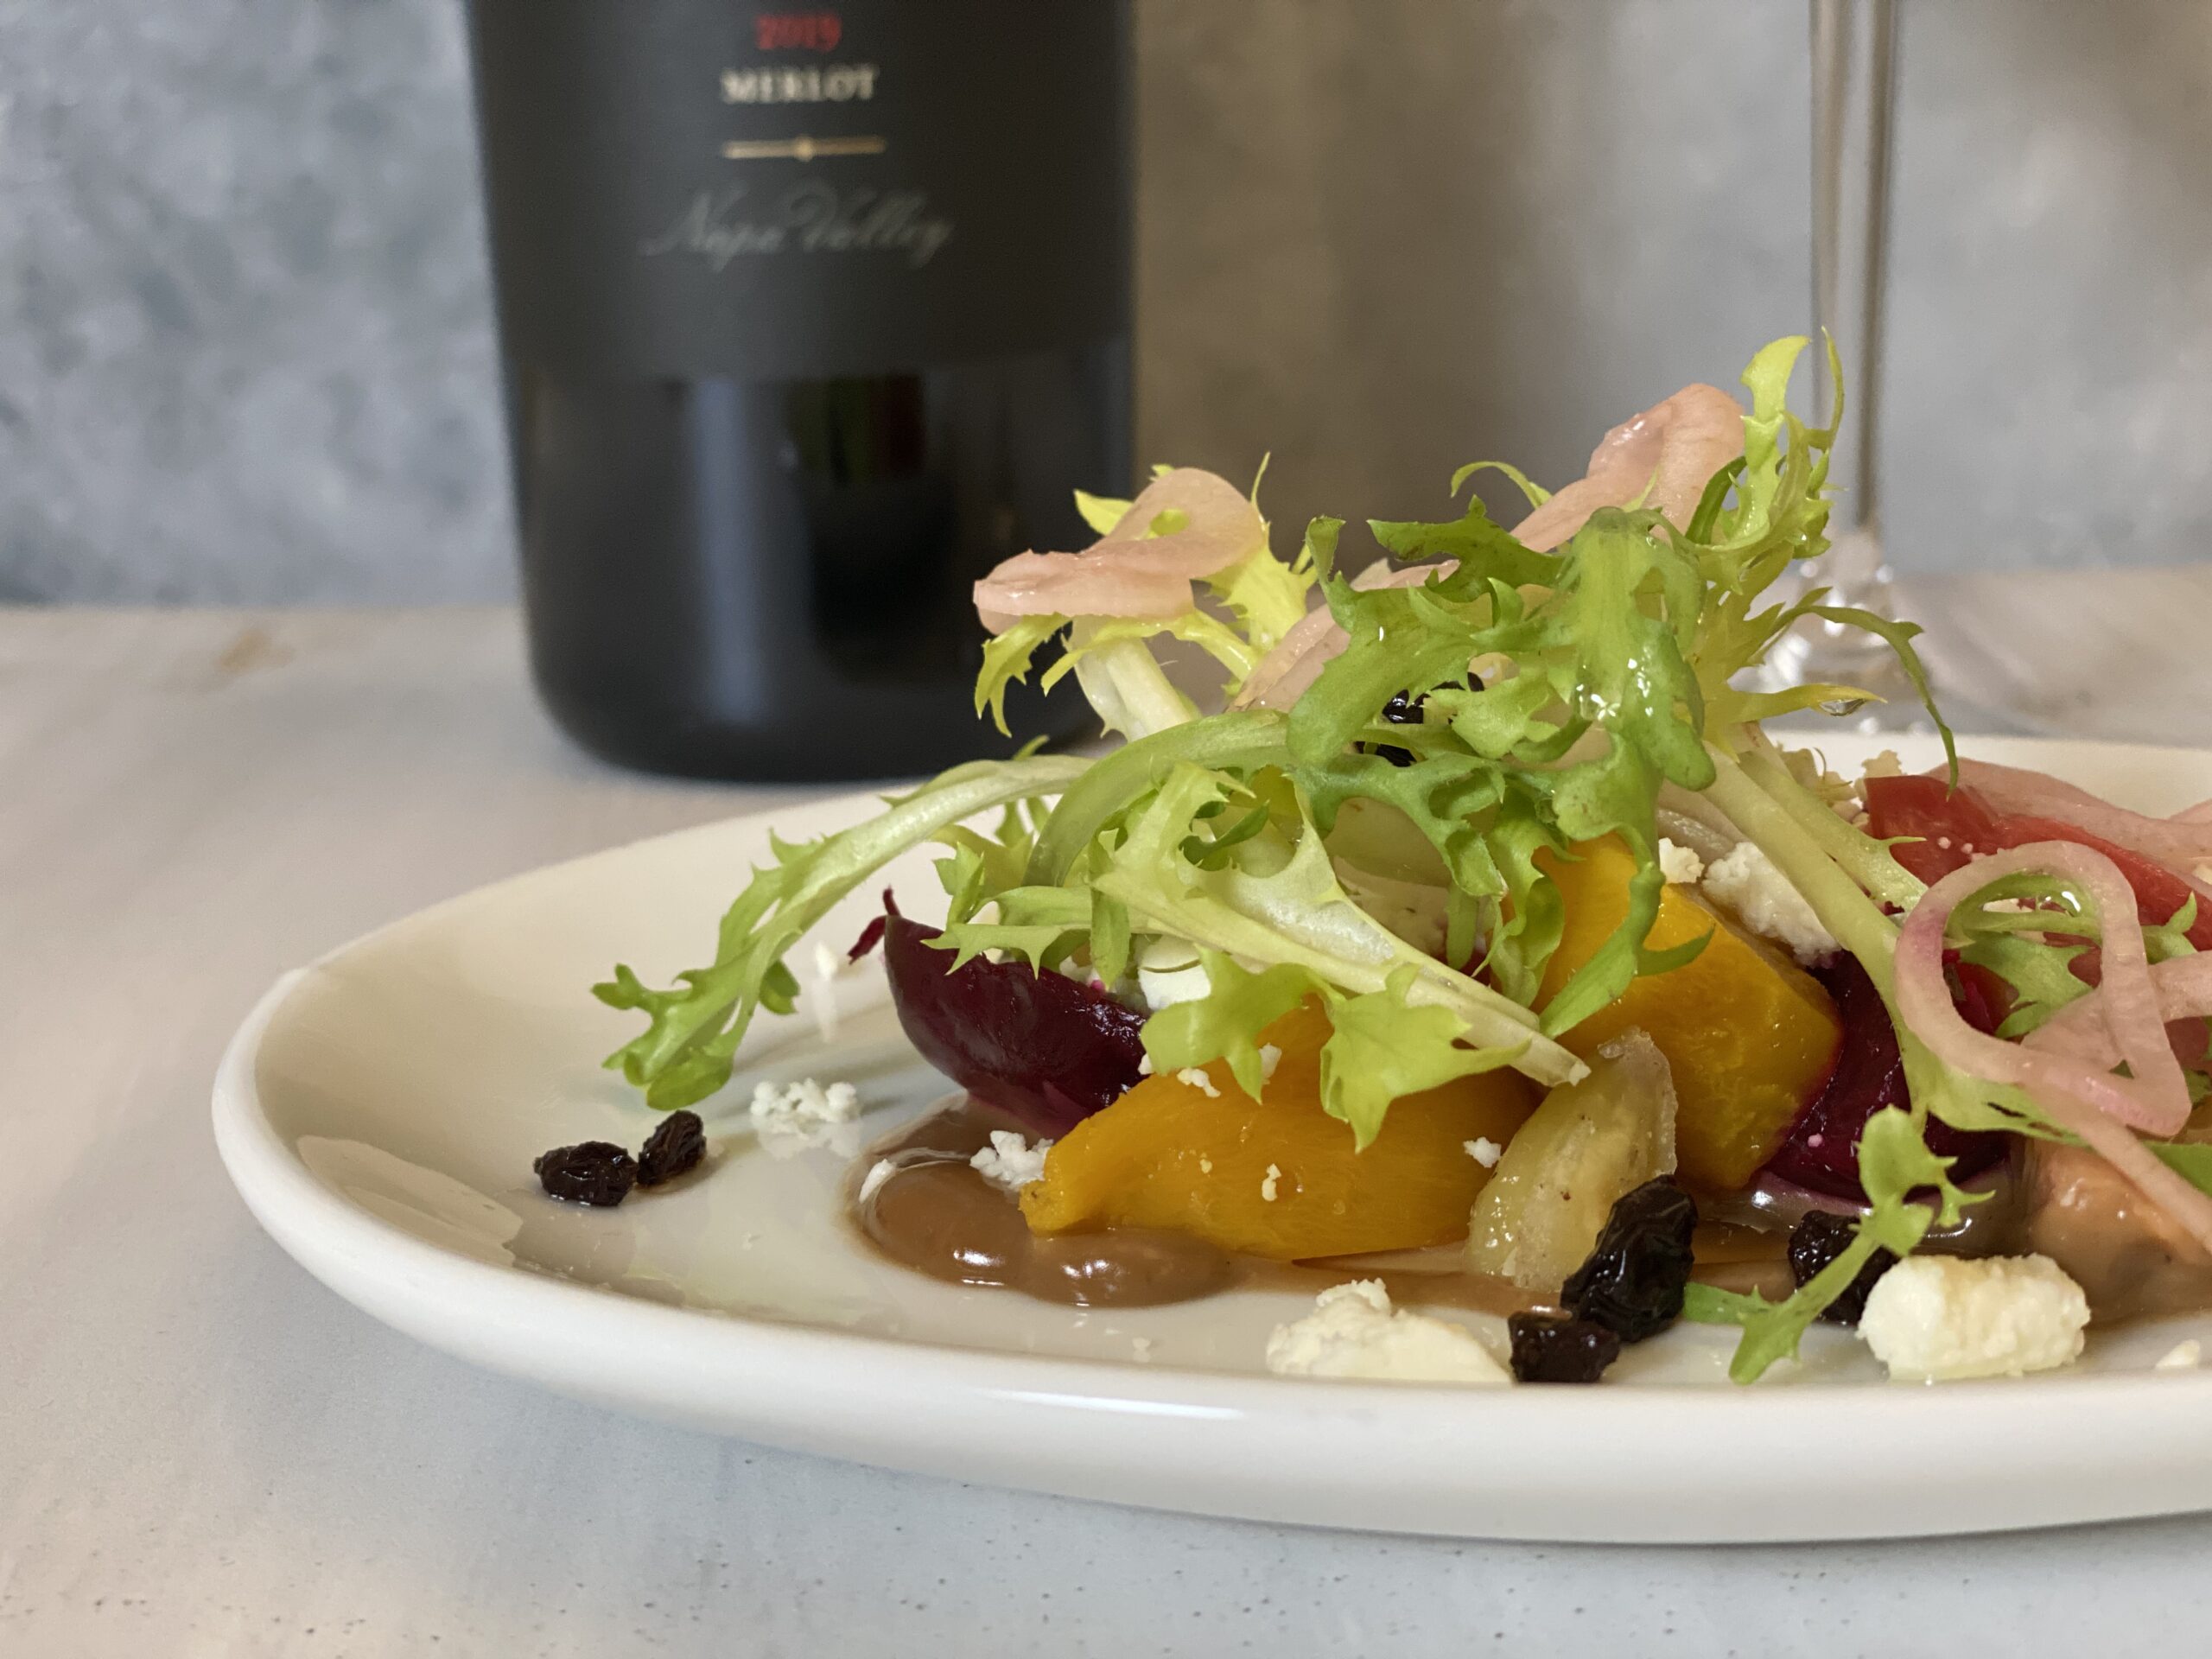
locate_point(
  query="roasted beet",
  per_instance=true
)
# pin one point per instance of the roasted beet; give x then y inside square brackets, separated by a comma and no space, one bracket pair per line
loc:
[1822,1151]
[1045,1048]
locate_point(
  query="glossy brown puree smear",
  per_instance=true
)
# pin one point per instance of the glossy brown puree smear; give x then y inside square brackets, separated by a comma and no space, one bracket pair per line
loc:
[938,1215]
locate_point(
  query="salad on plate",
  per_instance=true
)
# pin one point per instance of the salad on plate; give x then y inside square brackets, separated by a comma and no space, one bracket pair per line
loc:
[1487,952]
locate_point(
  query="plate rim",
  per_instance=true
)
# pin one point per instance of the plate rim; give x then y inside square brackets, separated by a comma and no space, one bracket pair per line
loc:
[1118,1426]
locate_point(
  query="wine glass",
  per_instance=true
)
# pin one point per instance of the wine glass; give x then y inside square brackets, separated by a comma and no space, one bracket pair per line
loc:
[1854,83]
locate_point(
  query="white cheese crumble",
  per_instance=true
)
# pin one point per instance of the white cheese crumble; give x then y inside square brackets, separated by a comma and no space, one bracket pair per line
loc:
[1884,765]
[805,1103]
[1205,1164]
[1746,881]
[1270,1057]
[795,1117]
[1010,1161]
[1144,1066]
[1935,1317]
[878,1172]
[1195,1077]
[1267,1184]
[1681,866]
[1354,1332]
[1484,1151]
[1169,973]
[2181,1356]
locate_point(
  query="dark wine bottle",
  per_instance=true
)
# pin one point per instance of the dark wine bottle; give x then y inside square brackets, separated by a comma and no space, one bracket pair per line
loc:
[808,318]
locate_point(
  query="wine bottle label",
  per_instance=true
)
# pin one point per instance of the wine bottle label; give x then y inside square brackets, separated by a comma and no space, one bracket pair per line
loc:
[689,187]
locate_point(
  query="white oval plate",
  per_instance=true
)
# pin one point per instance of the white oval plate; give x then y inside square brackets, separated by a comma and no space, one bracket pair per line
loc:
[379,1111]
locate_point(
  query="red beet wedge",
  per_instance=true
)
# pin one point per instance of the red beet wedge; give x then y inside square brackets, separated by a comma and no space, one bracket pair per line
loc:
[1046,1048]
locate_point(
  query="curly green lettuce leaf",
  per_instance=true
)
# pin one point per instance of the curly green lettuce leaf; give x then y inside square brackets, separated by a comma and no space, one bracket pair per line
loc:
[1383,1046]
[1297,914]
[693,1028]
[1894,1162]
[1226,1023]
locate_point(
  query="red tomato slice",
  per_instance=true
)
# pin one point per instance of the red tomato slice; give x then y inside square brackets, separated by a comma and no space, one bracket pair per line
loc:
[1955,824]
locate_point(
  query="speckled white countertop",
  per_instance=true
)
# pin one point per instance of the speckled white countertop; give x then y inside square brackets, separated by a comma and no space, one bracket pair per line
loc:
[202,1452]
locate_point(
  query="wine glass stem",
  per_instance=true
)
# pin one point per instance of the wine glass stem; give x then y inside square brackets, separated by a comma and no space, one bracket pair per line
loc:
[1854,85]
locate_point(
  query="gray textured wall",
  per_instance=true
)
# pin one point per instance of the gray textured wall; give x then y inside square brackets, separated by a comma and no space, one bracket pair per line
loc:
[244,337]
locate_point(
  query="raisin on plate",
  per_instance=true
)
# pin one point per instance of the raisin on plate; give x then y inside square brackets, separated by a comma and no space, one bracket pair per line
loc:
[594,1172]
[1559,1348]
[1632,1281]
[1818,1240]
[674,1150]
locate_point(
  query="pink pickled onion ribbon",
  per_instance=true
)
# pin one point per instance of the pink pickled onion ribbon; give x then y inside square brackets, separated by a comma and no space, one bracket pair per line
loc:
[2184,986]
[2080,1095]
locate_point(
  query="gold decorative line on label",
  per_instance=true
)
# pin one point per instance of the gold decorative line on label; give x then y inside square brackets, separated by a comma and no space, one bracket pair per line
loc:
[801,149]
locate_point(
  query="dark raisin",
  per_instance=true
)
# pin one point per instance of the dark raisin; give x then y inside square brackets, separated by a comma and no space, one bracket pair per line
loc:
[597,1172]
[1818,1240]
[674,1150]
[1559,1348]
[1632,1282]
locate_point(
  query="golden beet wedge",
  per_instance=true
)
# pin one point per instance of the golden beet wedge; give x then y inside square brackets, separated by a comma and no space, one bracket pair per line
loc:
[1167,1155]
[1750,1036]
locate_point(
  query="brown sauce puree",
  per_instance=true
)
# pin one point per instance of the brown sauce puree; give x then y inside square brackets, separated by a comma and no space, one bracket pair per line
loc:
[938,1215]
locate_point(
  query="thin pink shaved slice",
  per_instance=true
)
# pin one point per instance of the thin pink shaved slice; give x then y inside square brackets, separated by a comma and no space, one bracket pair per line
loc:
[1128,572]
[2155,1098]
[1662,458]
[2180,843]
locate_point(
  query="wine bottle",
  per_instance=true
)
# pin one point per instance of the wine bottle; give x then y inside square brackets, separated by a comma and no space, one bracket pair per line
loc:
[808,318]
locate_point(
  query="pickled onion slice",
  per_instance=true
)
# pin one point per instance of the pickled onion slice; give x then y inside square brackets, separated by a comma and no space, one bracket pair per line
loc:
[2154,1098]
[1661,458]
[2077,1094]
[2184,987]
[1129,572]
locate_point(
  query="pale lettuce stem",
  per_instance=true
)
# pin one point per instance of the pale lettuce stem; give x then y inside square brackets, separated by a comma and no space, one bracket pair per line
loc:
[1868,861]
[1855,920]
[1128,690]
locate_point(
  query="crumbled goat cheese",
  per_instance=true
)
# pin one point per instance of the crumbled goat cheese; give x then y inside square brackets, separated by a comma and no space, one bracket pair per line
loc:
[2181,1356]
[1354,1332]
[1884,765]
[1746,881]
[1484,1151]
[804,1105]
[1144,1066]
[1010,1161]
[1267,1184]
[1169,973]
[1196,1078]
[1932,1318]
[878,1172]
[1205,1164]
[1679,865]
[795,1117]
[1270,1057]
